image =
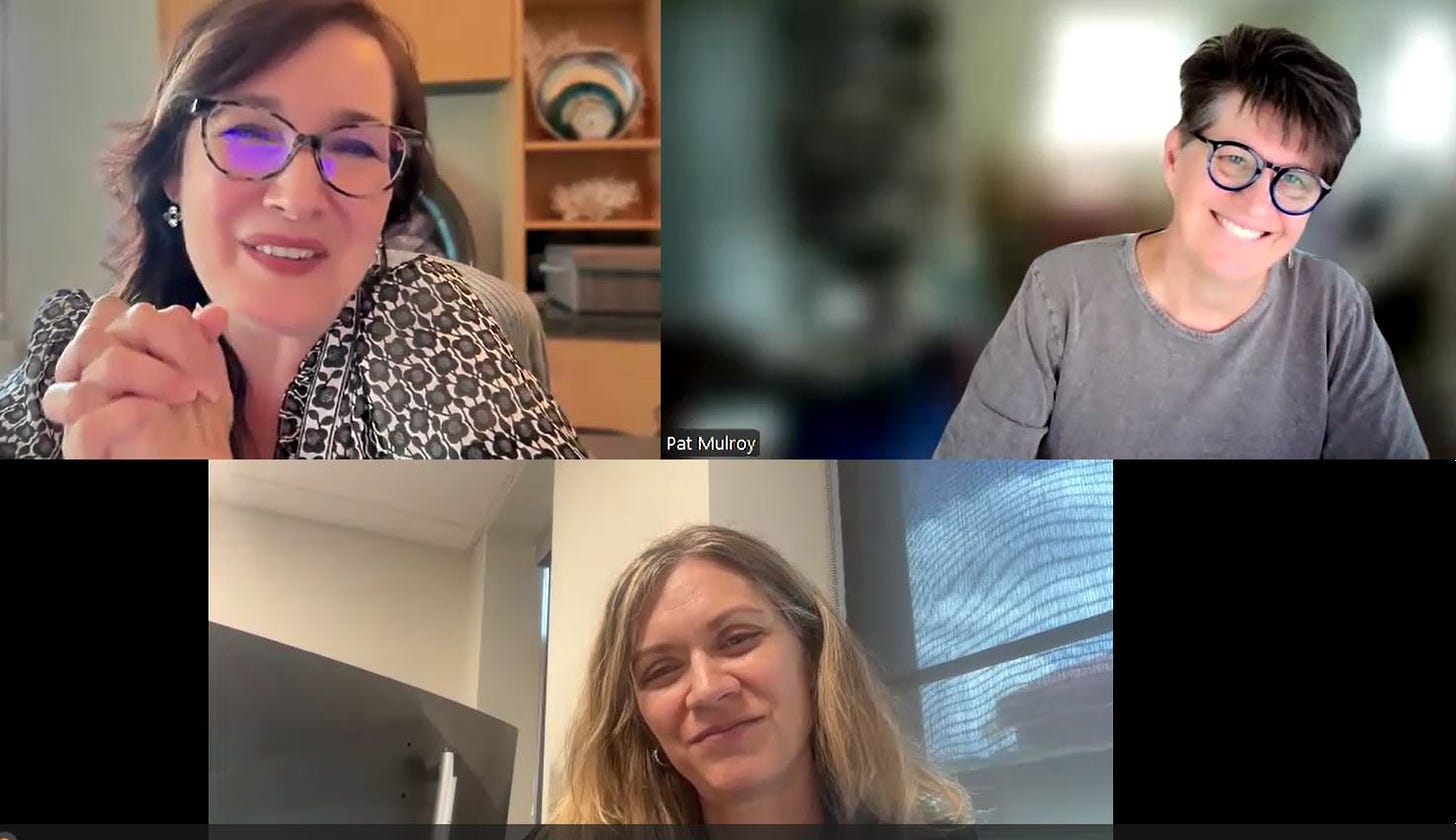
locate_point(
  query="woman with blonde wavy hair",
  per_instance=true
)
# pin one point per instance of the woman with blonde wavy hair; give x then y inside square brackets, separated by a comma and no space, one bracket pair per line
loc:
[725,689]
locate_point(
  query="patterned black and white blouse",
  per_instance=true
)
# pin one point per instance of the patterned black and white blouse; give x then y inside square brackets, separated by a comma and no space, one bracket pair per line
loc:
[415,366]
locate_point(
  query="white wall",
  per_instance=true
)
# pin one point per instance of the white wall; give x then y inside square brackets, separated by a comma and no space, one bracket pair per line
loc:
[607,512]
[71,69]
[346,595]
[512,656]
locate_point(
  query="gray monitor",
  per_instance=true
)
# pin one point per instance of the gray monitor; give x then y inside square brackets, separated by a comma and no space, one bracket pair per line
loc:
[297,738]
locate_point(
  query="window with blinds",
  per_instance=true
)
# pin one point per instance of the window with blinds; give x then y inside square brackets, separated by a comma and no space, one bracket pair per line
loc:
[984,591]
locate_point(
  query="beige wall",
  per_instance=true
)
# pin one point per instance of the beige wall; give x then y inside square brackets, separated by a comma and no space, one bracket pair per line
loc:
[785,503]
[70,69]
[347,595]
[606,512]
[7,350]
[476,659]
[470,151]
[512,656]
[512,653]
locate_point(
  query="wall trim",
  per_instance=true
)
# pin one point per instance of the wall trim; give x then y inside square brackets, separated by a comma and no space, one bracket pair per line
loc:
[836,538]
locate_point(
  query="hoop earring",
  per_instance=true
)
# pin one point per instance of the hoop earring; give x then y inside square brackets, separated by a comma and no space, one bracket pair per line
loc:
[173,216]
[657,757]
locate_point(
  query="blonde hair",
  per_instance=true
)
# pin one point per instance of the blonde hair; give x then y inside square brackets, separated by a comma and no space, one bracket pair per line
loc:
[867,770]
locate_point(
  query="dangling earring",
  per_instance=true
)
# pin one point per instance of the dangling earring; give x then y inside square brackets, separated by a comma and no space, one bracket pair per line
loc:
[173,216]
[657,757]
[1289,260]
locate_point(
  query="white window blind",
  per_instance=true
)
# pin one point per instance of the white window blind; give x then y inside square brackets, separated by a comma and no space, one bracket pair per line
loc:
[984,591]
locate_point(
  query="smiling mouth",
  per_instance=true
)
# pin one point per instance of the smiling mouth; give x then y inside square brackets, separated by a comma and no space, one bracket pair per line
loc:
[1239,231]
[287,253]
[734,728]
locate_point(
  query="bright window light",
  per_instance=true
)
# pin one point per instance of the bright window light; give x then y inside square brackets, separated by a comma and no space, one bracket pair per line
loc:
[1421,90]
[545,602]
[1112,80]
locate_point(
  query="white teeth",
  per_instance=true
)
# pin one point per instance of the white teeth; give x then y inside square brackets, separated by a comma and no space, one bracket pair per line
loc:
[1241,232]
[286,253]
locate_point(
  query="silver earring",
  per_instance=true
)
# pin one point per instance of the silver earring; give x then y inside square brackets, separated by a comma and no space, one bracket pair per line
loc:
[657,757]
[173,216]
[1289,260]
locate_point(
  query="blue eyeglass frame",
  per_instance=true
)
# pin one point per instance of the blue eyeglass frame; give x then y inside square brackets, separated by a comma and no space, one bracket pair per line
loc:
[1215,145]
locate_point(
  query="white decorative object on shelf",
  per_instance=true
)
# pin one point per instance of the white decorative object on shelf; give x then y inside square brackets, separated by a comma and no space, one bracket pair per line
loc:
[594,199]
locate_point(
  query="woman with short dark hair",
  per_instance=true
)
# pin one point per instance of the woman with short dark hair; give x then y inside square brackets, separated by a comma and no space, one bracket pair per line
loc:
[1211,337]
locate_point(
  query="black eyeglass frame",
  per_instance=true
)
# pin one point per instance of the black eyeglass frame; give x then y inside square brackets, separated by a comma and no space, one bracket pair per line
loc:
[204,107]
[1215,145]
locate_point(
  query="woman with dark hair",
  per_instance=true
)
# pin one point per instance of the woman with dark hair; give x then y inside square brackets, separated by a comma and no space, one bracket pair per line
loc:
[256,312]
[1211,337]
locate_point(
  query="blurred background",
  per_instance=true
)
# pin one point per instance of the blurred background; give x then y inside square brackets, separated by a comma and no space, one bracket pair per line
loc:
[856,189]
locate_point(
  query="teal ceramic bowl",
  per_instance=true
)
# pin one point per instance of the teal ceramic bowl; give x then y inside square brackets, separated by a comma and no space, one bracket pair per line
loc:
[587,95]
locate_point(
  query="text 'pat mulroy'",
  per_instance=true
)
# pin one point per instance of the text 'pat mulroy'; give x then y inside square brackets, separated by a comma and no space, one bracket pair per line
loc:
[732,443]
[726,445]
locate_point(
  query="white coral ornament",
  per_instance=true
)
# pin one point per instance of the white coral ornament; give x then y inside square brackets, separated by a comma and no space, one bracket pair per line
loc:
[594,199]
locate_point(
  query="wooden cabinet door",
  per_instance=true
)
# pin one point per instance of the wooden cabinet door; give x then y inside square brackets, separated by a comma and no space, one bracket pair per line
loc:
[172,15]
[608,385]
[454,40]
[457,40]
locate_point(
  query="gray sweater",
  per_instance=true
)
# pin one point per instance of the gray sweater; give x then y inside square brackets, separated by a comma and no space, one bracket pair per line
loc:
[1086,365]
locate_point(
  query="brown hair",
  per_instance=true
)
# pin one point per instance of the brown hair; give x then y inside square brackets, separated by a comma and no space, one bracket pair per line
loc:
[1280,70]
[225,45]
[867,770]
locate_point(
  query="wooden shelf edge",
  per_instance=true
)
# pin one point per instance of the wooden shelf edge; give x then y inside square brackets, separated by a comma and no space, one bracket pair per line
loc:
[604,342]
[635,144]
[609,224]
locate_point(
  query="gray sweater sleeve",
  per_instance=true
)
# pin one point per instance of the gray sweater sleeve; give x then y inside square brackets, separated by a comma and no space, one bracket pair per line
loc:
[1008,403]
[1369,415]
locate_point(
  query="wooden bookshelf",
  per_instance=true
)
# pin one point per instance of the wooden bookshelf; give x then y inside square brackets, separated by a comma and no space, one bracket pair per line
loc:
[606,381]
[608,225]
[455,41]
[643,144]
